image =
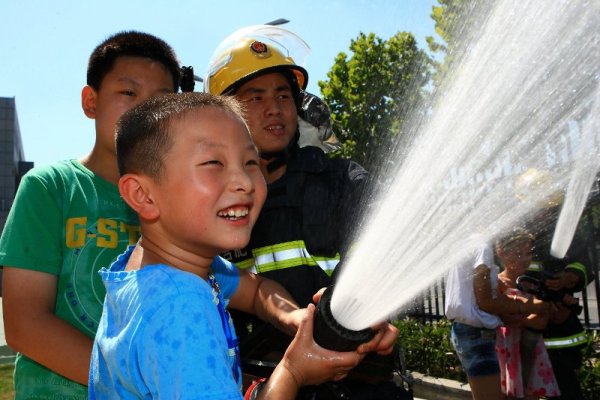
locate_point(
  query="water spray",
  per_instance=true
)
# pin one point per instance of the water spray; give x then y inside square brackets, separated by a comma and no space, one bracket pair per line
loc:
[519,94]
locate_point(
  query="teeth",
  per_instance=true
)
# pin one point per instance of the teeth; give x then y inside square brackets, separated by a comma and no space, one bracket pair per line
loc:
[234,213]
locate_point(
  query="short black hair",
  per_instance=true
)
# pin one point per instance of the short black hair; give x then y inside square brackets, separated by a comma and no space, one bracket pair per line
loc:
[130,44]
[143,135]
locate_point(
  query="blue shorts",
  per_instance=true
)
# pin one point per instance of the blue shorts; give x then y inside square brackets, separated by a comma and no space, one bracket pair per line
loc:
[476,349]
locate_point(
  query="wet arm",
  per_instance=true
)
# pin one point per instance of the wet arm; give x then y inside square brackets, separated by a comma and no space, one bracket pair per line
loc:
[501,304]
[306,363]
[268,300]
[32,328]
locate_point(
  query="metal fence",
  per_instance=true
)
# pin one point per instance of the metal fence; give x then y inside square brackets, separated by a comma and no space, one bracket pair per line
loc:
[429,306]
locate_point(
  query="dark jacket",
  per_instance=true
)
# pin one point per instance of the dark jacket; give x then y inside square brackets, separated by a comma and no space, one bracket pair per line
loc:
[303,230]
[570,333]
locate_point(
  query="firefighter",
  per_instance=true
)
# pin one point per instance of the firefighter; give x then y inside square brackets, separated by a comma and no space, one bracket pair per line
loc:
[564,336]
[313,201]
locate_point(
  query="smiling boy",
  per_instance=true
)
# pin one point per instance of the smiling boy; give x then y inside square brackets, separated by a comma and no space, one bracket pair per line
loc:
[191,172]
[68,220]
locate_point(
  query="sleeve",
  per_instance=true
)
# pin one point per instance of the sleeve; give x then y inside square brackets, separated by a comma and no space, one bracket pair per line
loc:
[483,255]
[353,193]
[227,275]
[182,351]
[33,230]
[578,259]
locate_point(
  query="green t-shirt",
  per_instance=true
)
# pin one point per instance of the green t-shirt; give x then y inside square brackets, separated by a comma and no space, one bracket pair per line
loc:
[68,222]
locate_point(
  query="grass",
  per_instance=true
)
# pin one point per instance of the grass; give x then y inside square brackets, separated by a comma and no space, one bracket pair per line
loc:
[6,383]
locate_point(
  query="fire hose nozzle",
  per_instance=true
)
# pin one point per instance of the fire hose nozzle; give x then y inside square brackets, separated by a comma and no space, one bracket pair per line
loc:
[330,334]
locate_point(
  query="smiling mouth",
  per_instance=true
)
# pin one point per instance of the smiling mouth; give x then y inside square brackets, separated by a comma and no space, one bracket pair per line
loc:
[234,213]
[274,128]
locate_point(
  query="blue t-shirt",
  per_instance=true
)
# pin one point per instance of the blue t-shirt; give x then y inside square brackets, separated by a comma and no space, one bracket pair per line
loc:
[161,335]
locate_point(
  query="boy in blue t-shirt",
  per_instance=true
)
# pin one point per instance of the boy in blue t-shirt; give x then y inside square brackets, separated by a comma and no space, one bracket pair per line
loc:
[190,170]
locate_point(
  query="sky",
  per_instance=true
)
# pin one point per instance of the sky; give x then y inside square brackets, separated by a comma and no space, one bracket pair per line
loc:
[45,45]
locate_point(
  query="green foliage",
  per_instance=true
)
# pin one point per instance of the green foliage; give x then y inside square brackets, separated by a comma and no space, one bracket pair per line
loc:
[447,17]
[589,375]
[428,349]
[370,92]
[454,19]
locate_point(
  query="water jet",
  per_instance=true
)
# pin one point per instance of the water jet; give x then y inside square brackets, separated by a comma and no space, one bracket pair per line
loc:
[330,334]
[517,96]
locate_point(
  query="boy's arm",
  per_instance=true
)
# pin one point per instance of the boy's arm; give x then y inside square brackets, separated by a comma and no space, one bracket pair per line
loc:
[306,363]
[268,300]
[32,328]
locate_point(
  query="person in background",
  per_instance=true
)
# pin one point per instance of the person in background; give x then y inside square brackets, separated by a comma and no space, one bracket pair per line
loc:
[561,278]
[191,172]
[564,335]
[313,201]
[68,220]
[473,307]
[525,367]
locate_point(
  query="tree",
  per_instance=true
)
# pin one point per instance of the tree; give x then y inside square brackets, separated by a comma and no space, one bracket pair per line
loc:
[454,24]
[370,92]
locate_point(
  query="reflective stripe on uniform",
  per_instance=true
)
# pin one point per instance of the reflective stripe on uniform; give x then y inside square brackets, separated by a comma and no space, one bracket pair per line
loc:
[286,255]
[535,266]
[569,341]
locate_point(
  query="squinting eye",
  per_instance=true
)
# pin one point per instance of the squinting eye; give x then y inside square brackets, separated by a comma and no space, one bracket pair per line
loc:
[211,162]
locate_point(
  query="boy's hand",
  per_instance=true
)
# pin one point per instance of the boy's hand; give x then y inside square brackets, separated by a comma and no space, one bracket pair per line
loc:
[292,320]
[383,341]
[309,363]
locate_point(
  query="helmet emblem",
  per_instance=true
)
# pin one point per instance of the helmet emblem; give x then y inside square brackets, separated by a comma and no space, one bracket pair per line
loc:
[258,47]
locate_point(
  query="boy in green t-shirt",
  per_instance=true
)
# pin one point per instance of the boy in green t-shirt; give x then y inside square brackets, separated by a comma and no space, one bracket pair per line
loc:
[68,220]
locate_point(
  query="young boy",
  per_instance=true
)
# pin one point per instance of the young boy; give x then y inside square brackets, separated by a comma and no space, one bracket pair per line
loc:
[68,220]
[191,172]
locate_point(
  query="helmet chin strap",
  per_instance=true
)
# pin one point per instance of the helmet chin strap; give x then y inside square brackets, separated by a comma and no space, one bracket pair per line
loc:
[278,158]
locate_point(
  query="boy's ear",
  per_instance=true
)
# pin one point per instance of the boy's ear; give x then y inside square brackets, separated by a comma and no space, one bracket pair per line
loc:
[135,190]
[88,101]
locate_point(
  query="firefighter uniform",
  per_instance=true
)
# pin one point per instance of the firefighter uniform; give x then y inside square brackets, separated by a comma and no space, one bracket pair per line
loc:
[302,231]
[564,341]
[310,213]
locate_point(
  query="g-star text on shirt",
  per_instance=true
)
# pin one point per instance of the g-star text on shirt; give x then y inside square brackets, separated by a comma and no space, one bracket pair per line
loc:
[107,232]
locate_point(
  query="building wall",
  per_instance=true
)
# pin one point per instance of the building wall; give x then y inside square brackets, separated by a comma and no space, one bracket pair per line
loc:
[12,159]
